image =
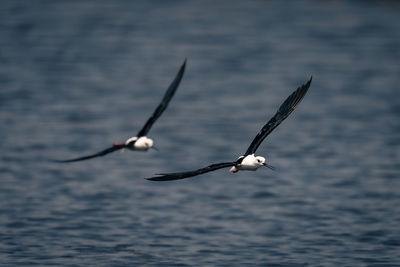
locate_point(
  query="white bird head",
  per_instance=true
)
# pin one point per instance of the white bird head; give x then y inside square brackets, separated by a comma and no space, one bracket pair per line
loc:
[149,142]
[259,161]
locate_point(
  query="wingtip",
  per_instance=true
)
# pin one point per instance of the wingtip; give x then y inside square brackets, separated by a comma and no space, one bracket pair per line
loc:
[183,67]
[154,179]
[63,161]
[308,83]
[162,177]
[55,161]
[60,160]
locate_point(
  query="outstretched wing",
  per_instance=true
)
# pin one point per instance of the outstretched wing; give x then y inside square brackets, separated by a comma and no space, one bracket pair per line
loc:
[183,175]
[164,103]
[284,110]
[115,147]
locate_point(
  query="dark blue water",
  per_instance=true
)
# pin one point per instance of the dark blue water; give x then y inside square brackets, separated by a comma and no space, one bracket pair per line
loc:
[76,76]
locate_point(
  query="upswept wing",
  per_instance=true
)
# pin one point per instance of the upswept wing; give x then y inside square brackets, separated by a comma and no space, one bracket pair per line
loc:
[164,103]
[99,154]
[183,175]
[283,112]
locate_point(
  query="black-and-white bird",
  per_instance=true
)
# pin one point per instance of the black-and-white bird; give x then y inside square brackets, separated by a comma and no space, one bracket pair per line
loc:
[248,161]
[141,142]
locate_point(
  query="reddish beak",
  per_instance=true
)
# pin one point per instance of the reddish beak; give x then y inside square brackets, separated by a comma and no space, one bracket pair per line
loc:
[235,170]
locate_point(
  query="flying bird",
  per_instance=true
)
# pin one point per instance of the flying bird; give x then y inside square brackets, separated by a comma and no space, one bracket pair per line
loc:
[140,142]
[248,161]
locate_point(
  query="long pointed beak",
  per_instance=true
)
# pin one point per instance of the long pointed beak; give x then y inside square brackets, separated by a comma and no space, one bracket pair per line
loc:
[269,166]
[156,149]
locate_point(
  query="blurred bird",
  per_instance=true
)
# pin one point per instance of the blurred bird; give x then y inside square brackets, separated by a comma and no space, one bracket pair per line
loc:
[140,142]
[248,161]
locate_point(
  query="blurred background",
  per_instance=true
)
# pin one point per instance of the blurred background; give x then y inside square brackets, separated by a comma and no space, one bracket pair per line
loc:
[76,76]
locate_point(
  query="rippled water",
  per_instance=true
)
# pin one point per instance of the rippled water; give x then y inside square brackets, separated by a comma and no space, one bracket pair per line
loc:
[76,76]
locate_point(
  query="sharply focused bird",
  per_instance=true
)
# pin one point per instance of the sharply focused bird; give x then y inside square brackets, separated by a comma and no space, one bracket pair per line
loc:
[248,161]
[140,142]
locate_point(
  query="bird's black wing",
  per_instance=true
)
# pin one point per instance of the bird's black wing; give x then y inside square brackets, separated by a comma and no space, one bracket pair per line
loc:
[164,103]
[284,110]
[183,175]
[115,147]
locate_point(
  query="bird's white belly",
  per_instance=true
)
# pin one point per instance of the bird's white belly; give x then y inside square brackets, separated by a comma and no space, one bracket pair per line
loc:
[247,167]
[139,147]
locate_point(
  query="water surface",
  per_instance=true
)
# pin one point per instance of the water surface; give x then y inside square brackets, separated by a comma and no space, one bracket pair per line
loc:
[76,76]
